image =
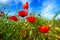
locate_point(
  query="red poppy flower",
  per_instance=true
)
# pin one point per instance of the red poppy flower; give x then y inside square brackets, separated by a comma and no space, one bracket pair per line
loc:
[13,18]
[22,13]
[31,19]
[25,6]
[44,29]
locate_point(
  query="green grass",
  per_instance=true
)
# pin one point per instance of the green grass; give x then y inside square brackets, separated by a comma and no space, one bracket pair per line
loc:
[10,30]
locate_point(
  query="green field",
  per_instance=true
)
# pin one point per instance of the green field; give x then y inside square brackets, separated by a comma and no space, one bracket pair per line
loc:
[24,30]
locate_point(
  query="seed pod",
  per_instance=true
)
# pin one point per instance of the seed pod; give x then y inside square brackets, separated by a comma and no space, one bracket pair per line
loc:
[1,14]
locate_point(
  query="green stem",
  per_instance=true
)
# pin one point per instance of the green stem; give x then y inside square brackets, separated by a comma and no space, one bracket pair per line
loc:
[53,31]
[46,37]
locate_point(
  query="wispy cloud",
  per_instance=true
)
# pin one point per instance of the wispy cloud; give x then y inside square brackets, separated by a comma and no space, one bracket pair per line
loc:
[48,7]
[3,1]
[58,17]
[8,2]
[23,1]
[48,15]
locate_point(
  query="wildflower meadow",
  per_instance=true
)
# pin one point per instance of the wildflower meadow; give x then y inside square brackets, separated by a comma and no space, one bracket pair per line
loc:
[28,26]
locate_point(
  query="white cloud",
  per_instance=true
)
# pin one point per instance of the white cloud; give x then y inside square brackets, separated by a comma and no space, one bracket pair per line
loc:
[3,1]
[23,1]
[48,7]
[48,15]
[47,2]
[58,17]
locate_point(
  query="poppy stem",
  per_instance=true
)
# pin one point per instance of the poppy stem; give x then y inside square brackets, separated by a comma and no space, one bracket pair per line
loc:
[23,19]
[53,33]
[53,30]
[46,36]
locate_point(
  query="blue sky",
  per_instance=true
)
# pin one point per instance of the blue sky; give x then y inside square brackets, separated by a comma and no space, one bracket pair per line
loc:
[47,8]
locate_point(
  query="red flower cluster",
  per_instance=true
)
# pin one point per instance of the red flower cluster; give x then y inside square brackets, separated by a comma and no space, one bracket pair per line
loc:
[44,29]
[22,13]
[14,18]
[25,6]
[31,19]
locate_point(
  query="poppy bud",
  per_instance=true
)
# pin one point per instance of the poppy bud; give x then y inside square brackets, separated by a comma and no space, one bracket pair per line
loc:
[25,6]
